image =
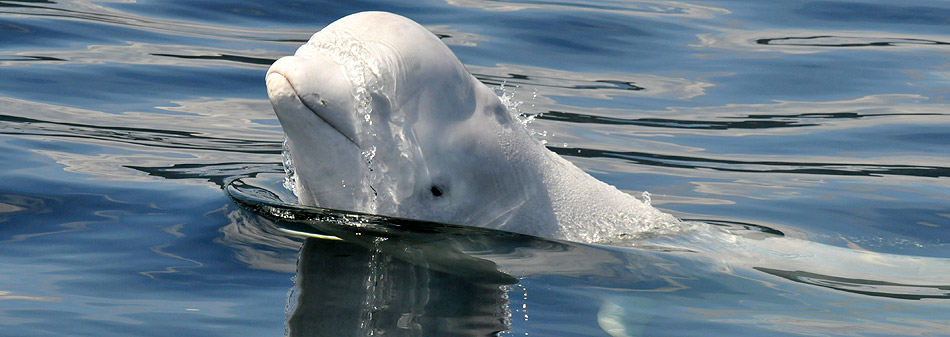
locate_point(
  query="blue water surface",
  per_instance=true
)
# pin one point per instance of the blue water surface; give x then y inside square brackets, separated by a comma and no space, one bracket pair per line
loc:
[122,122]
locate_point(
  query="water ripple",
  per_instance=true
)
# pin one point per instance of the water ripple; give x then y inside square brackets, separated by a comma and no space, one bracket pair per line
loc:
[225,57]
[152,138]
[760,121]
[650,8]
[845,41]
[752,166]
[96,13]
[218,173]
[800,41]
[864,287]
[556,82]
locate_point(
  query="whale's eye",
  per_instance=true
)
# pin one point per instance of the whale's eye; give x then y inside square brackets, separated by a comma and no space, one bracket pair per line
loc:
[436,191]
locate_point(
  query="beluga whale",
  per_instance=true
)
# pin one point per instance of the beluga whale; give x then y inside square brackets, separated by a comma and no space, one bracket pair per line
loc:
[381,117]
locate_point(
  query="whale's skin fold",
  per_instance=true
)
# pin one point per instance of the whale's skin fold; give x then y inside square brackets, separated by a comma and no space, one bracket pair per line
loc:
[383,118]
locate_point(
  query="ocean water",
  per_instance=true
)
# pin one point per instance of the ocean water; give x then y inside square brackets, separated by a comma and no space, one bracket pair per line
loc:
[140,173]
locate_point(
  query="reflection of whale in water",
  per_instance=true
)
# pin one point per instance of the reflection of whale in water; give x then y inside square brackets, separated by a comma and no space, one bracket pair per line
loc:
[344,289]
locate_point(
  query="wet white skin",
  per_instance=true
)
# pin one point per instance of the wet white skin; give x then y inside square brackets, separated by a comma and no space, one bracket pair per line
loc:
[383,118]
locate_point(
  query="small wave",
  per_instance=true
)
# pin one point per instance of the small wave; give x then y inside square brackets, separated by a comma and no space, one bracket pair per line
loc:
[152,138]
[223,57]
[846,41]
[562,83]
[632,8]
[750,121]
[816,41]
[752,166]
[864,287]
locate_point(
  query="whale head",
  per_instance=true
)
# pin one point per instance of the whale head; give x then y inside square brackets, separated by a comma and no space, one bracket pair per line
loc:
[381,117]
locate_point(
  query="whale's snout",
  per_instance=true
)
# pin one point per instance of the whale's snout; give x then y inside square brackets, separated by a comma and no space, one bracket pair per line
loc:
[281,92]
[313,87]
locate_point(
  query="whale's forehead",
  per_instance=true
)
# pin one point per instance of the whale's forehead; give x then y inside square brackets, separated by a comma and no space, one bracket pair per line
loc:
[375,31]
[390,54]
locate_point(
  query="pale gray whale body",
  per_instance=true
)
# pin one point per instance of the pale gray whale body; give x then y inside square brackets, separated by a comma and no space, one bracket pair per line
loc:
[382,118]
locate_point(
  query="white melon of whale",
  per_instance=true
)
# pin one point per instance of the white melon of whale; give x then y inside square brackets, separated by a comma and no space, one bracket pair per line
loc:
[383,118]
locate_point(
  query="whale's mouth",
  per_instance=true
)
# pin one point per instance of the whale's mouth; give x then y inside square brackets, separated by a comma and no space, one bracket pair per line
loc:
[311,101]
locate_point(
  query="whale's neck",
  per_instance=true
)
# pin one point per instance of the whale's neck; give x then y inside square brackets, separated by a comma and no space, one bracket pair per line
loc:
[584,208]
